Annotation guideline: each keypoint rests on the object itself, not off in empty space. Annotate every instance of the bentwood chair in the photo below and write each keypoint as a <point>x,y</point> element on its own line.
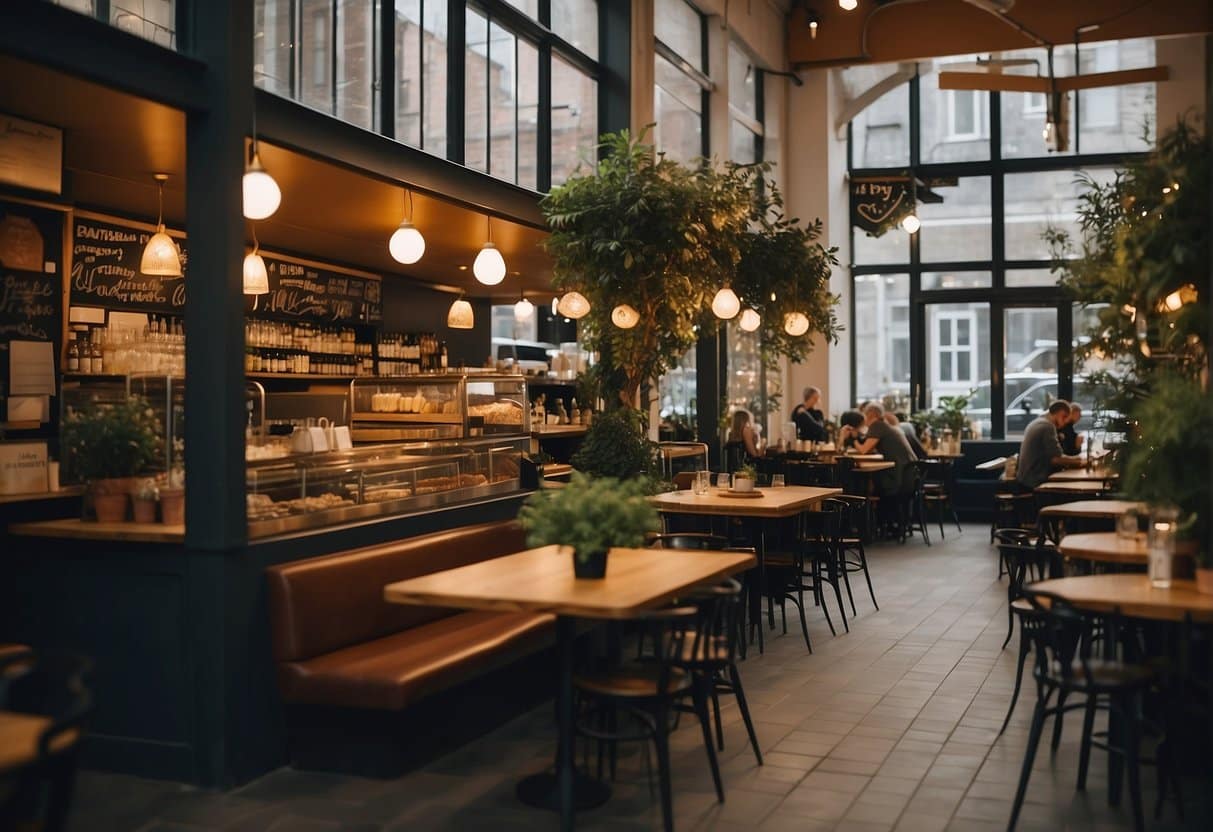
<point>937,492</point>
<point>1025,562</point>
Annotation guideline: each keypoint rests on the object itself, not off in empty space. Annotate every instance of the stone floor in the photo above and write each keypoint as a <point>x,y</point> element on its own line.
<point>892,726</point>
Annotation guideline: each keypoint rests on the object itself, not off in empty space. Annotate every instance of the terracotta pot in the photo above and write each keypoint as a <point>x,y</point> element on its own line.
<point>592,565</point>
<point>114,485</point>
<point>110,508</point>
<point>145,510</point>
<point>1204,580</point>
<point>172,506</point>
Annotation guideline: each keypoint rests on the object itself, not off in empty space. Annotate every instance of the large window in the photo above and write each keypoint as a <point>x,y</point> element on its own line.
<point>745,107</point>
<point>969,305</point>
<point>154,20</point>
<point>682,85</point>
<point>421,56</point>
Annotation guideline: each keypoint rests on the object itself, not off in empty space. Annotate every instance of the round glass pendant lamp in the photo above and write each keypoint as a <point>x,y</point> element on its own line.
<point>848,5</point>
<point>406,244</point>
<point>573,305</point>
<point>262,196</point>
<point>795,324</point>
<point>750,320</point>
<point>726,304</point>
<point>910,224</point>
<point>161,257</point>
<point>625,316</point>
<point>460,315</point>
<point>256,279</point>
<point>489,267</point>
<point>523,309</point>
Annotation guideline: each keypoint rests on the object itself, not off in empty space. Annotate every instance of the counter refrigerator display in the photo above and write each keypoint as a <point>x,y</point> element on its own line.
<point>439,407</point>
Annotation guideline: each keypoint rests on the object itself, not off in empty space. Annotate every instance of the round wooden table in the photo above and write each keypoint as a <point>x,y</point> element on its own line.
<point>1105,547</point>
<point>1133,596</point>
<point>1084,475</point>
<point>1081,488</point>
<point>1092,508</point>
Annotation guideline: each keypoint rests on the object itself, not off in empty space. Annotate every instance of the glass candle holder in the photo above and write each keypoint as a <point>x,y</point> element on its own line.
<point>1161,542</point>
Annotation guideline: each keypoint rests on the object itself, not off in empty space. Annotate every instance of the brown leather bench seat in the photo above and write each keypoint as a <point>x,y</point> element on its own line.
<point>337,642</point>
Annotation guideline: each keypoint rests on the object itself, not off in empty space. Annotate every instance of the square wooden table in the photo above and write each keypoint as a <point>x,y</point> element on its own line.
<point>1084,475</point>
<point>542,581</point>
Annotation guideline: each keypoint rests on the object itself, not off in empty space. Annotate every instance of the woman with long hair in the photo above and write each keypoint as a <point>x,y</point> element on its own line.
<point>741,446</point>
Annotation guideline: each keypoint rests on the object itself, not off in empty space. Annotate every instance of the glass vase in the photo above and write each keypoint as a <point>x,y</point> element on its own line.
<point>1161,542</point>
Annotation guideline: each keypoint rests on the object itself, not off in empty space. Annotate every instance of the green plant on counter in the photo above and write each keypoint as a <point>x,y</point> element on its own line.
<point>951,414</point>
<point>616,445</point>
<point>112,441</point>
<point>590,514</point>
<point>746,472</point>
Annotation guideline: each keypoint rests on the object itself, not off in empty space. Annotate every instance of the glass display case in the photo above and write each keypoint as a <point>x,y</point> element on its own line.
<point>309,491</point>
<point>433,407</point>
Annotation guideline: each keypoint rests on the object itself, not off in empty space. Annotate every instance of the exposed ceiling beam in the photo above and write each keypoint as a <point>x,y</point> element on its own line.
<point>866,98</point>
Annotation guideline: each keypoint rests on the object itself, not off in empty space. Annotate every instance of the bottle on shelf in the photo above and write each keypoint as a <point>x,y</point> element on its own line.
<point>73,353</point>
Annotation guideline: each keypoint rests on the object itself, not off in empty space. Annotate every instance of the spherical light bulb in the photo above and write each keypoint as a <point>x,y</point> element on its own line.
<point>261,193</point>
<point>406,244</point>
<point>1173,302</point>
<point>910,223</point>
<point>256,279</point>
<point>726,304</point>
<point>460,315</point>
<point>555,305</point>
<point>848,5</point>
<point>573,305</point>
<point>624,316</point>
<point>523,310</point>
<point>750,320</point>
<point>489,267</point>
<point>795,324</point>
<point>161,256</point>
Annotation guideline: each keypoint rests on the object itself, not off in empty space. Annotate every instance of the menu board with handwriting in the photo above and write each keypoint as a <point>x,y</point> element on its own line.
<point>315,293</point>
<point>31,280</point>
<point>105,270</point>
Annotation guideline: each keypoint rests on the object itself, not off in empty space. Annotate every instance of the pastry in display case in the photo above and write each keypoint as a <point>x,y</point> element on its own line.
<point>447,406</point>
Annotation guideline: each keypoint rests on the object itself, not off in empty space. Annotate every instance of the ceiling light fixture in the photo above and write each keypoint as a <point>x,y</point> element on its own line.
<point>406,244</point>
<point>160,254</point>
<point>256,279</point>
<point>726,305</point>
<point>523,309</point>
<point>625,316</point>
<point>814,21</point>
<point>489,267</point>
<point>573,305</point>
<point>460,315</point>
<point>795,324</point>
<point>848,5</point>
<point>750,320</point>
<point>262,196</point>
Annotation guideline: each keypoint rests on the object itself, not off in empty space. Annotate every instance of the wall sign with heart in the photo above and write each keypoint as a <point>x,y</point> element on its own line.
<point>878,204</point>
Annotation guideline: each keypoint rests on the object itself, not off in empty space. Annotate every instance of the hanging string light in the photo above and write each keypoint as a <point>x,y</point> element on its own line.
<point>256,279</point>
<point>795,324</point>
<point>910,223</point>
<point>573,305</point>
<point>625,316</point>
<point>489,266</point>
<point>726,304</point>
<point>161,256</point>
<point>406,244</point>
<point>262,196</point>
<point>750,320</point>
<point>523,309</point>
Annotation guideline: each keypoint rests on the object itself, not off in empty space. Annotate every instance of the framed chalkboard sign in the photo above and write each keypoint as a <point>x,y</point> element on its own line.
<point>304,290</point>
<point>105,269</point>
<point>31,280</point>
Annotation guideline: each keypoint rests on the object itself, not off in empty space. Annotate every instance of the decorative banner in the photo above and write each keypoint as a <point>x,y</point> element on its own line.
<point>105,270</point>
<point>879,203</point>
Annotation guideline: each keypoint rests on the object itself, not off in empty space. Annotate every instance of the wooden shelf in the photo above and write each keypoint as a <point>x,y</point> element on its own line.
<point>302,376</point>
<point>76,529</point>
<point>545,431</point>
<point>413,418</point>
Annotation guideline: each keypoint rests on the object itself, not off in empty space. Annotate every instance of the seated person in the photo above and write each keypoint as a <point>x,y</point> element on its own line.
<point>850,425</point>
<point>898,421</point>
<point>741,446</point>
<point>1040,451</point>
<point>890,443</point>
<point>1068,435</point>
<point>810,422</point>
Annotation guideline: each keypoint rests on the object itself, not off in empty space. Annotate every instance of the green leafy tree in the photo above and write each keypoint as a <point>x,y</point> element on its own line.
<point>590,514</point>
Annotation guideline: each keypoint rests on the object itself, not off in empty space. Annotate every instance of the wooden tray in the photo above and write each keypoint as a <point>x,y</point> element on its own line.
<point>740,495</point>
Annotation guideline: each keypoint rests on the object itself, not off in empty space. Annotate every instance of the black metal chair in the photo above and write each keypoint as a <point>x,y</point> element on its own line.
<point>854,558</point>
<point>50,685</point>
<point>1064,666</point>
<point>812,561</point>
<point>937,492</point>
<point>1025,562</point>
<point>911,511</point>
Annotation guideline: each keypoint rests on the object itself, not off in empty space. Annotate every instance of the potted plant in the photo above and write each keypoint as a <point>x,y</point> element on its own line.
<point>144,499</point>
<point>744,478</point>
<point>172,498</point>
<point>590,515</point>
<point>109,445</point>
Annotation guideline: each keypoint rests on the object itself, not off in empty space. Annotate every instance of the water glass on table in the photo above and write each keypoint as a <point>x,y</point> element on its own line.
<point>777,481</point>
<point>703,481</point>
<point>724,481</point>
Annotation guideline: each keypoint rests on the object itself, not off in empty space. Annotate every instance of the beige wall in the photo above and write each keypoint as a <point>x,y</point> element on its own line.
<point>1185,91</point>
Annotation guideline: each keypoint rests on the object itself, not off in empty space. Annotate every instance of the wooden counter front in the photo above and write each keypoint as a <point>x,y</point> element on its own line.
<point>76,529</point>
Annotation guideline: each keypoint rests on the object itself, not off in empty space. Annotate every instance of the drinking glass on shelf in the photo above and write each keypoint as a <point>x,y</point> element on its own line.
<point>724,481</point>
<point>777,481</point>
<point>1126,525</point>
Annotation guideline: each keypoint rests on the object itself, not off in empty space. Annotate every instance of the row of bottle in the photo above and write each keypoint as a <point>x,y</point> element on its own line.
<point>412,346</point>
<point>544,412</point>
<point>266,360</point>
<point>303,336</point>
<point>158,348</point>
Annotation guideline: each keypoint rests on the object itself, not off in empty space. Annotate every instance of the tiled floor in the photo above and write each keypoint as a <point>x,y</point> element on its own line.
<point>893,726</point>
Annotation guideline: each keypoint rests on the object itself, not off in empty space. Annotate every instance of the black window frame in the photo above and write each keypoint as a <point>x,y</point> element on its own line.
<point>699,74</point>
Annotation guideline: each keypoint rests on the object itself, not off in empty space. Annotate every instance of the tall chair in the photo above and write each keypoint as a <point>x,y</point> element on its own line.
<point>854,558</point>
<point>937,492</point>
<point>1025,562</point>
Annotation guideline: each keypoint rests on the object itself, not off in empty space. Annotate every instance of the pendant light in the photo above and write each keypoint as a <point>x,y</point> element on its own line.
<point>726,304</point>
<point>625,316</point>
<point>795,324</point>
<point>848,5</point>
<point>556,305</point>
<point>460,315</point>
<point>489,267</point>
<point>523,309</point>
<point>256,279</point>
<point>573,305</point>
<point>160,254</point>
<point>406,244</point>
<point>262,196</point>
<point>750,320</point>
<point>910,223</point>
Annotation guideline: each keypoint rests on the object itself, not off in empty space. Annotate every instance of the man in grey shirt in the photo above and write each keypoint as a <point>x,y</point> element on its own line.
<point>1040,452</point>
<point>891,443</point>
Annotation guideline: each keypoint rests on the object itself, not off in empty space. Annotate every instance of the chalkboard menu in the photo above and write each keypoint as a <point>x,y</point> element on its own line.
<point>31,280</point>
<point>314,293</point>
<point>105,270</point>
<point>879,203</point>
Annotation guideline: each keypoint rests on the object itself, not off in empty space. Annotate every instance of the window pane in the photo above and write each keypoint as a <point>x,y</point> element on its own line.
<point>1031,277</point>
<point>958,228</point>
<point>1030,380</point>
<point>476,87</point>
<point>83,6</point>
<point>528,116</point>
<point>680,27</point>
<point>577,22</point>
<point>503,102</point>
<point>574,119</point>
<point>1036,202</point>
<point>882,336</point>
<point>272,47</point>
<point>743,80</point>
<point>530,7</point>
<point>956,280</point>
<point>433,79</point>
<point>154,20</point>
<point>677,108</point>
<point>743,145</point>
<point>420,69</point>
<point>958,349</point>
<point>1024,113</point>
<point>744,373</point>
<point>880,135</point>
<point>355,62</point>
<point>315,86</point>
<point>955,123</point>
<point>676,391</point>
<point>1114,119</point>
<point>892,247</point>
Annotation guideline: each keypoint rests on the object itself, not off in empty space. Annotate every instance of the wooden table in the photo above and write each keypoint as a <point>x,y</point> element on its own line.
<point>1102,509</point>
<point>944,455</point>
<point>1133,596</point>
<point>73,528</point>
<point>1105,547</point>
<point>1080,487</point>
<point>873,467</point>
<point>19,736</point>
<point>542,581</point>
<point>1084,475</point>
<point>774,504</point>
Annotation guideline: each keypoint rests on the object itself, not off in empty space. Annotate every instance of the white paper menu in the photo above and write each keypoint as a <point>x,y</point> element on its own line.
<point>31,368</point>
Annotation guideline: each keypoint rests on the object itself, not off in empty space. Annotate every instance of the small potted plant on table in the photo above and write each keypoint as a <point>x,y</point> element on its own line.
<point>110,445</point>
<point>591,516</point>
<point>744,478</point>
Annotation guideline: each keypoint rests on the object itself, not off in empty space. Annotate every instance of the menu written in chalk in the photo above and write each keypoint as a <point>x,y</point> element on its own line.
<point>105,270</point>
<point>315,293</point>
<point>31,300</point>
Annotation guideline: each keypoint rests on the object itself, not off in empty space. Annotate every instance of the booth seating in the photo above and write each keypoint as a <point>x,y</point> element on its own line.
<point>337,643</point>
